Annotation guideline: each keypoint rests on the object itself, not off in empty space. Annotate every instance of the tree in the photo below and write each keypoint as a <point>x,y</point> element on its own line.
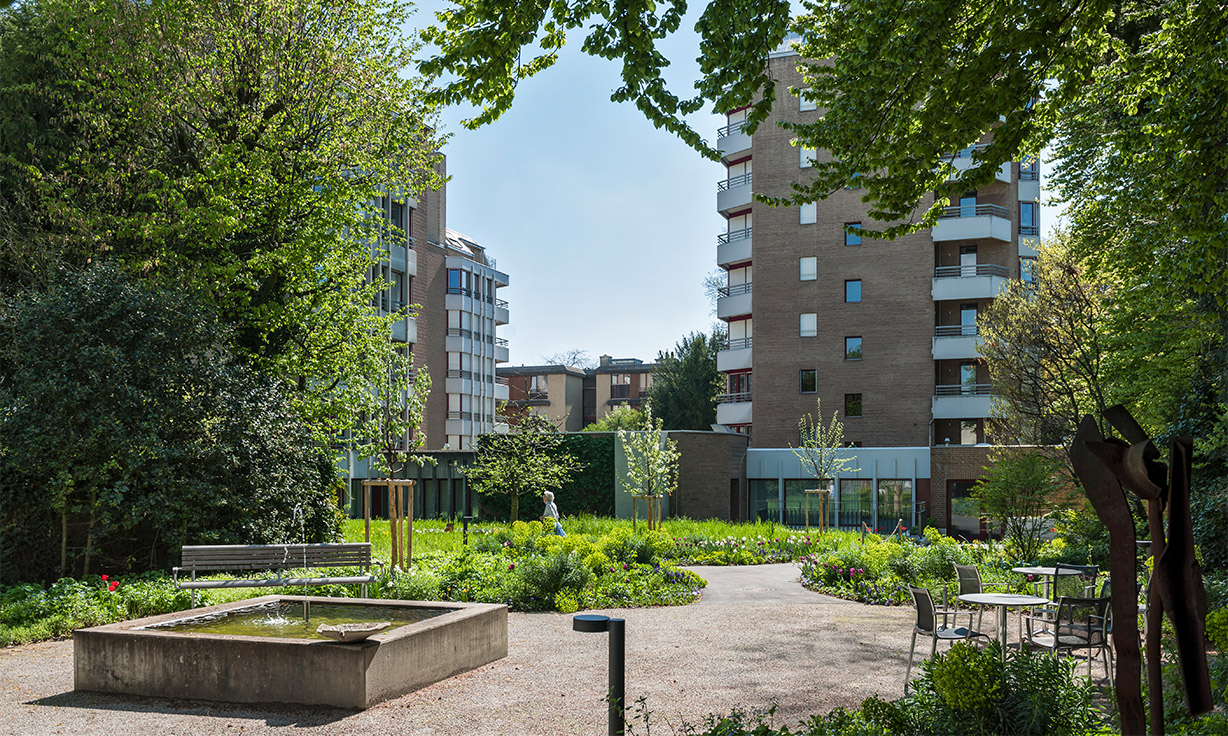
<point>652,459</point>
<point>128,430</point>
<point>390,434</point>
<point>1019,488</point>
<point>821,448</point>
<point>1044,344</point>
<point>623,417</point>
<point>685,383</point>
<point>239,149</point>
<point>574,357</point>
<point>522,463</point>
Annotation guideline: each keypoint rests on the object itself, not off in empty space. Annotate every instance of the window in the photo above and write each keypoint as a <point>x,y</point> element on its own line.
<point>538,387</point>
<point>398,290</point>
<point>852,233</point>
<point>967,260</point>
<point>1028,224</point>
<point>803,104</point>
<point>967,378</point>
<point>967,204</point>
<point>852,290</point>
<point>620,386</point>
<point>852,405</point>
<point>808,381</point>
<point>808,214</point>
<point>852,348</point>
<point>967,319</point>
<point>854,182</point>
<point>1027,268</point>
<point>1028,171</point>
<point>806,157</point>
<point>968,432</point>
<point>809,324</point>
<point>454,281</point>
<point>808,268</point>
<point>398,215</point>
<point>740,385</point>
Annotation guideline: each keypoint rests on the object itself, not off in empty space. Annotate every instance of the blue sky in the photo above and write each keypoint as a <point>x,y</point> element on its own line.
<point>606,225</point>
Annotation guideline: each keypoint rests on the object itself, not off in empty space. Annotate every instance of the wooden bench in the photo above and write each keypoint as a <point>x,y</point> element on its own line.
<point>276,558</point>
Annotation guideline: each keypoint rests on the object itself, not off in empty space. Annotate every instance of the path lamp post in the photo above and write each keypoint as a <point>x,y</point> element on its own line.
<point>618,682</point>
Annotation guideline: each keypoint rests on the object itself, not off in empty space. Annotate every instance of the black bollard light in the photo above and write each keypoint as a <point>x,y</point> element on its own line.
<point>465,529</point>
<point>618,654</point>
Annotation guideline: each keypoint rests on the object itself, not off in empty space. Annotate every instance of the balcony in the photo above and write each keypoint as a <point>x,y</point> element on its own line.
<point>973,222</point>
<point>501,313</point>
<point>962,161</point>
<point>962,401</point>
<point>501,353</point>
<point>501,389</point>
<point>953,342</point>
<point>733,301</point>
<point>734,408</point>
<point>980,281</point>
<point>733,247</point>
<point>405,330</point>
<point>736,356</point>
<point>733,193</point>
<point>732,140</point>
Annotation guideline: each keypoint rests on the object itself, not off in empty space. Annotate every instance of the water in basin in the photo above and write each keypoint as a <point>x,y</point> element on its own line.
<point>284,619</point>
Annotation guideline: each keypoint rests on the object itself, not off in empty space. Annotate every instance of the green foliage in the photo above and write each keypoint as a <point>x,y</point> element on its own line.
<point>220,146</point>
<point>522,463</point>
<point>590,490</point>
<point>821,448</point>
<point>685,383</point>
<point>968,690</point>
<point>127,431</point>
<point>623,417</point>
<point>1020,488</point>
<point>652,460</point>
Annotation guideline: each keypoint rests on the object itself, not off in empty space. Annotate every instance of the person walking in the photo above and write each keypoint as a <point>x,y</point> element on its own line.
<point>551,514</point>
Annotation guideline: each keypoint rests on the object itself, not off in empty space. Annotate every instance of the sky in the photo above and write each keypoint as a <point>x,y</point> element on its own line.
<point>605,225</point>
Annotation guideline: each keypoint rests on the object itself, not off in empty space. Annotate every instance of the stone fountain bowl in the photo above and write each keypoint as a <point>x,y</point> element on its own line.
<point>347,633</point>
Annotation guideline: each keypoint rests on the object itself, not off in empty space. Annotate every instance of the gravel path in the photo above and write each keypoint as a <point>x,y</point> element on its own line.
<point>755,638</point>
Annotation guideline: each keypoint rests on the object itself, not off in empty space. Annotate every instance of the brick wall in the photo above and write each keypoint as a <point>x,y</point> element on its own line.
<point>709,461</point>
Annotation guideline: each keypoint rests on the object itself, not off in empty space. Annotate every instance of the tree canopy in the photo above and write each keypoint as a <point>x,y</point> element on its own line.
<point>237,148</point>
<point>685,383</point>
<point>522,463</point>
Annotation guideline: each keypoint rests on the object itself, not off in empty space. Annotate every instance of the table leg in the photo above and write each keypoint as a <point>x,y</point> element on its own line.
<point>1002,630</point>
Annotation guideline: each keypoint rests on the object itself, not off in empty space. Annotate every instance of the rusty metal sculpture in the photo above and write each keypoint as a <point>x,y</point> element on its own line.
<point>1104,466</point>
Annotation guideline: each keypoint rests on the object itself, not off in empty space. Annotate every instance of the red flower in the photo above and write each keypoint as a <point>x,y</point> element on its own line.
<point>114,584</point>
<point>104,578</point>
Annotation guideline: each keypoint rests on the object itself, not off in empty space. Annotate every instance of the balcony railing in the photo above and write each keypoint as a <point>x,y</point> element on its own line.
<point>730,129</point>
<point>955,331</point>
<point>969,210</point>
<point>734,290</point>
<point>460,290</point>
<point>501,342</point>
<point>967,152</point>
<point>733,236</point>
<point>964,389</point>
<point>502,381</point>
<point>1029,230</point>
<point>620,391</point>
<point>733,181</point>
<point>460,374</point>
<point>460,415</point>
<point>501,303</point>
<point>1029,175</point>
<point>979,269</point>
<point>738,398</point>
<point>738,343</point>
<point>537,393</point>
<point>458,332</point>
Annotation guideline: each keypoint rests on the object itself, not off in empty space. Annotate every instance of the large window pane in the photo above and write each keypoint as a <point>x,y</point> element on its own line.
<point>965,510</point>
<point>855,503</point>
<point>895,503</point>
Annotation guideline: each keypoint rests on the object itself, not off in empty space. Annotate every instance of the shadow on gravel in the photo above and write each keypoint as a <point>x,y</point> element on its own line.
<point>272,715</point>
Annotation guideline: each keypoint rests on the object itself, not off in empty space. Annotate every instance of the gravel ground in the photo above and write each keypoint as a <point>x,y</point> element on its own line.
<point>755,638</point>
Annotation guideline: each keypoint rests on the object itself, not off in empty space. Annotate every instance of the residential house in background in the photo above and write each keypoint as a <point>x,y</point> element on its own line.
<point>573,398</point>
<point>882,331</point>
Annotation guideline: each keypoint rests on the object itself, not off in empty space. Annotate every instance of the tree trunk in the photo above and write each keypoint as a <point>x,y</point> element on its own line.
<point>63,544</point>
<point>89,540</point>
<point>515,507</point>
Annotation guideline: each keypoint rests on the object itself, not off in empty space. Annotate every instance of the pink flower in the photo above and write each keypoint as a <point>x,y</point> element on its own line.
<point>512,566</point>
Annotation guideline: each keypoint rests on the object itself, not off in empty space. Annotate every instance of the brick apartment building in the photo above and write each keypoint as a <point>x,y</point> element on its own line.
<point>882,331</point>
<point>453,334</point>
<point>571,397</point>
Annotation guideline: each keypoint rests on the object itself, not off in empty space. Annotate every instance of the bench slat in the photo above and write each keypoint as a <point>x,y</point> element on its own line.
<point>264,557</point>
<point>273,582</point>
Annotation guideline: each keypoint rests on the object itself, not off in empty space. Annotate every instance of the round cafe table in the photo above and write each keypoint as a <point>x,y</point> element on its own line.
<point>1003,601</point>
<point>1048,573</point>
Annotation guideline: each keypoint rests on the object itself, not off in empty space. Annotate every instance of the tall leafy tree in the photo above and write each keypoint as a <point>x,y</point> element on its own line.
<point>522,463</point>
<point>128,429</point>
<point>685,383</point>
<point>235,147</point>
<point>1018,489</point>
